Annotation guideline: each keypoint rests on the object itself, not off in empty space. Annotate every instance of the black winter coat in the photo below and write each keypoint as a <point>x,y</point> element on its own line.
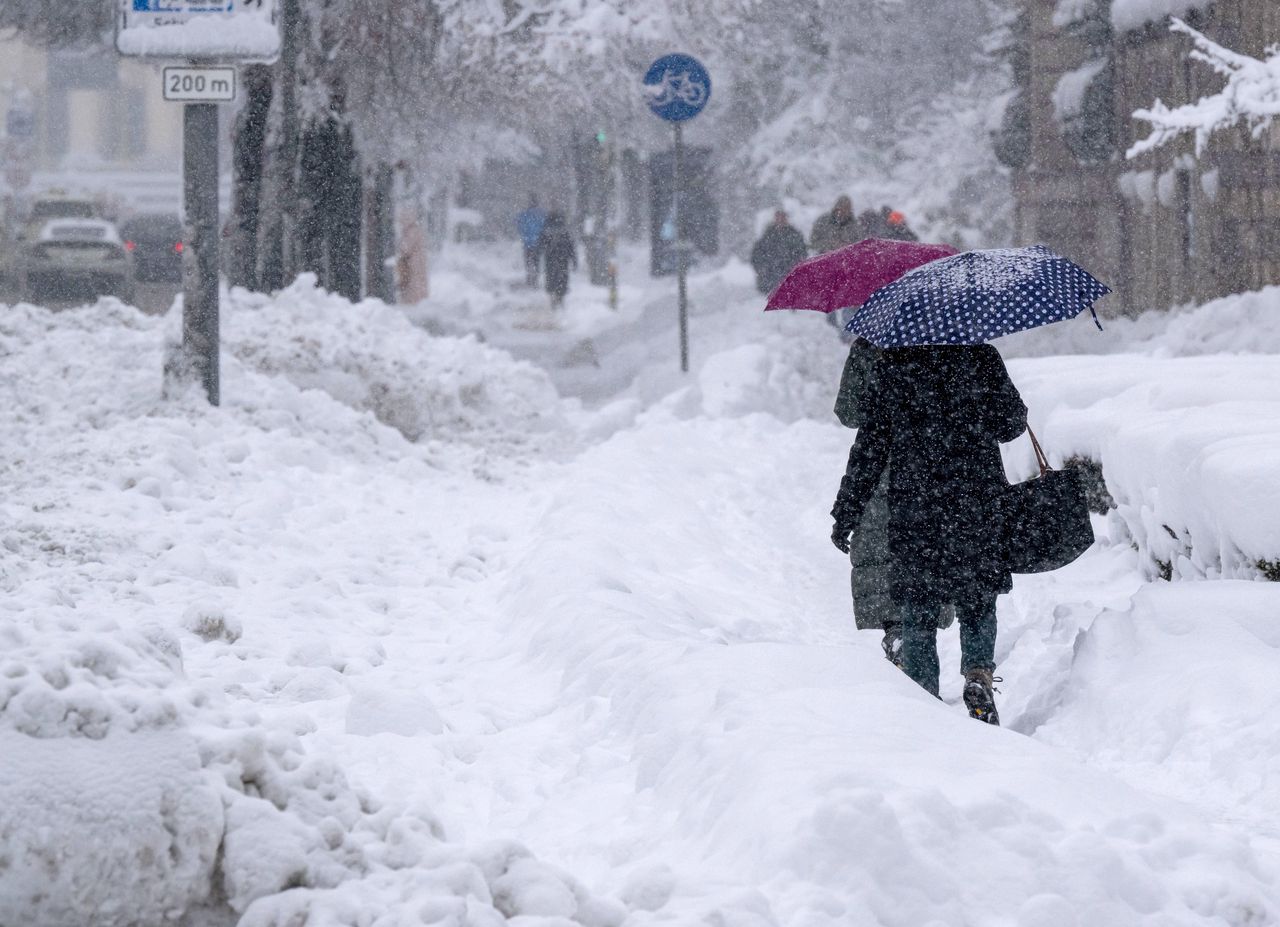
<point>779,249</point>
<point>557,251</point>
<point>936,417</point>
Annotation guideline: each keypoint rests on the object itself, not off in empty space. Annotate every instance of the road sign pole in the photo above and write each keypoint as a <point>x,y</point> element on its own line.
<point>678,88</point>
<point>200,256</point>
<point>682,263</point>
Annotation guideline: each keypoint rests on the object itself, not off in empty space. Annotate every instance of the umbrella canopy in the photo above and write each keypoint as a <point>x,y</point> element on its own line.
<point>847,276</point>
<point>977,296</point>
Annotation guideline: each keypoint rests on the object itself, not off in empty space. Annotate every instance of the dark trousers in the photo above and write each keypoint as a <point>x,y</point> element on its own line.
<point>531,265</point>
<point>977,616</point>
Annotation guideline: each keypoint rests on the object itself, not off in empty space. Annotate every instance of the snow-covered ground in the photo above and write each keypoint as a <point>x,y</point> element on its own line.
<point>448,616</point>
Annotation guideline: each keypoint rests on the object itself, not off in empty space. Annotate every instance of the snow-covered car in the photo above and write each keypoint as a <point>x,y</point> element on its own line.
<point>72,259</point>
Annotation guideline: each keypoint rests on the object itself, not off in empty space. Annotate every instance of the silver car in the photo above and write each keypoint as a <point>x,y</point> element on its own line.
<point>76,259</point>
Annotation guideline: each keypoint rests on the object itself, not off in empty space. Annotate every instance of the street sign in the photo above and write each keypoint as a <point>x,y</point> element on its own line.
<point>677,87</point>
<point>200,85</point>
<point>214,30</point>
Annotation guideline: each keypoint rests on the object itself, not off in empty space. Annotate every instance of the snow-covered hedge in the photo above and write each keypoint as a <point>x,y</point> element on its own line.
<point>1190,449</point>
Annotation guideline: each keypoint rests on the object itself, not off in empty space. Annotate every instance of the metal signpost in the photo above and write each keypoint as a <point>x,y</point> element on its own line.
<point>207,35</point>
<point>678,88</point>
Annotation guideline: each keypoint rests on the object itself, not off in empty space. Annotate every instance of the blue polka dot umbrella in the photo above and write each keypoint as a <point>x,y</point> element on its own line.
<point>977,296</point>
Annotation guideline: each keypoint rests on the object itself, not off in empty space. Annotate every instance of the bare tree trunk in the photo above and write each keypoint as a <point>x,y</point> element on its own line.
<point>247,166</point>
<point>379,234</point>
<point>280,261</point>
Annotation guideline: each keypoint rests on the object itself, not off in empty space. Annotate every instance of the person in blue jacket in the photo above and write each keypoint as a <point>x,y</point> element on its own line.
<point>530,223</point>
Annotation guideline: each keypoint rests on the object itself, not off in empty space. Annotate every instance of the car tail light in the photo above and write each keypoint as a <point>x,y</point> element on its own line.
<point>177,246</point>
<point>129,246</point>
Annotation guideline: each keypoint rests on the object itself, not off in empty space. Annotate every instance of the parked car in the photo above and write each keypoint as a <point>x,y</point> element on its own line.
<point>22,225</point>
<point>75,259</point>
<point>56,205</point>
<point>155,241</point>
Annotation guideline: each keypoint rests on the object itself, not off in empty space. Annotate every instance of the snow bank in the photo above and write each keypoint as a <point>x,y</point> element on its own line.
<point>142,535</point>
<point>1166,657</point>
<point>129,797</point>
<point>1243,323</point>
<point>369,356</point>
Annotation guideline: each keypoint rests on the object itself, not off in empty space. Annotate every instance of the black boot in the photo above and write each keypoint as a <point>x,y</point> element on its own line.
<point>892,644</point>
<point>979,695</point>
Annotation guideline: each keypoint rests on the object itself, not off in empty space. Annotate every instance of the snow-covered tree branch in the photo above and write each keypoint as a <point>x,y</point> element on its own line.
<point>1252,94</point>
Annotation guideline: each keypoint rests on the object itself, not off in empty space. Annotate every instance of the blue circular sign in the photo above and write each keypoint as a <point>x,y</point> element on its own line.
<point>677,87</point>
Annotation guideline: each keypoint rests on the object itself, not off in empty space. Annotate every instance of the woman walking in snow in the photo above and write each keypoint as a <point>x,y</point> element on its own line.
<point>935,416</point>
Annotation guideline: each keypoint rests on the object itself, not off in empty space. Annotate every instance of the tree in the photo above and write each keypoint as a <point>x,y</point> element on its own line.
<point>86,22</point>
<point>1251,95</point>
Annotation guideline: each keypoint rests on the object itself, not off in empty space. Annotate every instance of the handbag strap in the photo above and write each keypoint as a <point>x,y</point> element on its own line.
<point>1041,459</point>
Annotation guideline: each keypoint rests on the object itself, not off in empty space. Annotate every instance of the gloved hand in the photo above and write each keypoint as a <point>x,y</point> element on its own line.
<point>840,532</point>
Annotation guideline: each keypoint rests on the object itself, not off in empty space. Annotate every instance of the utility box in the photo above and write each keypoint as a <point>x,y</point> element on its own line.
<point>699,208</point>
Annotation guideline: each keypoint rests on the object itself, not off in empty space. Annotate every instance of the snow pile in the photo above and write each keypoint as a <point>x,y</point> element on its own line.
<point>1243,323</point>
<point>370,357</point>
<point>1165,657</point>
<point>786,374</point>
<point>174,803</point>
<point>128,798</point>
<point>95,749</point>
<point>143,536</point>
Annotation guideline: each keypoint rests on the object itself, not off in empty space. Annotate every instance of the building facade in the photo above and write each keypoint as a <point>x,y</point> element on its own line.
<point>84,114</point>
<point>1167,227</point>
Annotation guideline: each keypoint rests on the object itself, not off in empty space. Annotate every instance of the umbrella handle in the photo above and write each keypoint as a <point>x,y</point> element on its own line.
<point>1041,459</point>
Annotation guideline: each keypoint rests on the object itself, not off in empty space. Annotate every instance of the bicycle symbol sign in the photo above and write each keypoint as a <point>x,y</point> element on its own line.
<point>677,87</point>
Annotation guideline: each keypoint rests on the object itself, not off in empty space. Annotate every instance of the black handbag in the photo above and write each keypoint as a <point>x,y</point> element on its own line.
<point>1045,520</point>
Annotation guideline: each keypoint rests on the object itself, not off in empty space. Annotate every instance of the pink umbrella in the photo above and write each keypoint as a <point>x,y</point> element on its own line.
<point>848,276</point>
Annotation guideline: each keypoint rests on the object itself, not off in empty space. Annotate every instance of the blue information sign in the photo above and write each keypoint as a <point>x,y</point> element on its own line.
<point>677,87</point>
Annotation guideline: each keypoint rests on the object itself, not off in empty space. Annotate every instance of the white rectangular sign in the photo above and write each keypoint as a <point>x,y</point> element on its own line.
<point>209,30</point>
<point>200,85</point>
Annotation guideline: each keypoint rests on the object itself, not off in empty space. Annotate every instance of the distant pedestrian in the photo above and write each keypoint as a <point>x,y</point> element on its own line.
<point>935,417</point>
<point>836,229</point>
<point>530,224</point>
<point>887,223</point>
<point>779,249</point>
<point>556,249</point>
<point>895,226</point>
